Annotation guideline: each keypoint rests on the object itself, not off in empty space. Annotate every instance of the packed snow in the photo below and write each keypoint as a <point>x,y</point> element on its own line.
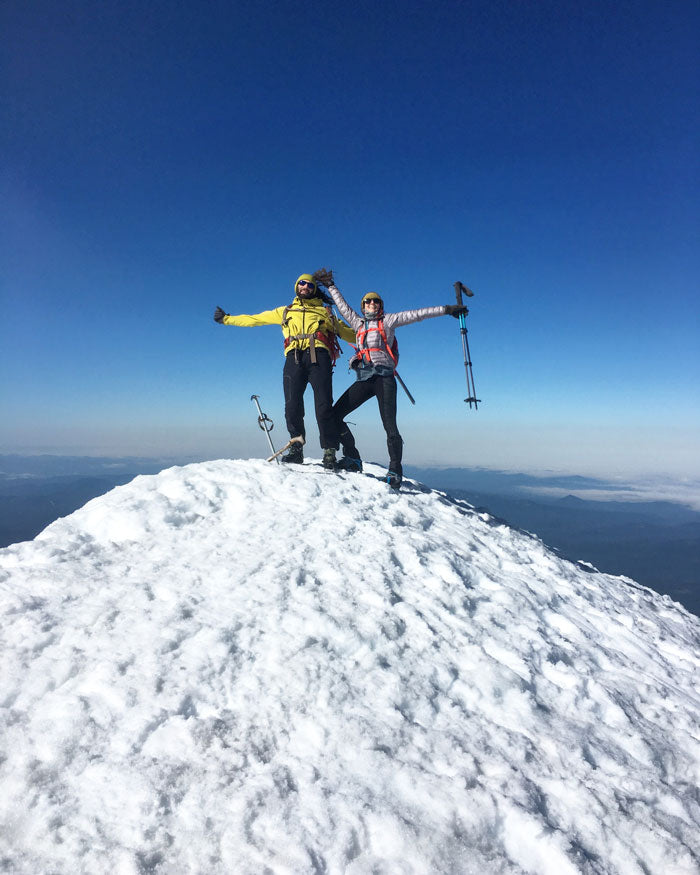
<point>239,667</point>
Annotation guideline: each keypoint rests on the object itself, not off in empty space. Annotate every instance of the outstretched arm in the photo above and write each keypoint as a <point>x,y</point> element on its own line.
<point>267,317</point>
<point>406,317</point>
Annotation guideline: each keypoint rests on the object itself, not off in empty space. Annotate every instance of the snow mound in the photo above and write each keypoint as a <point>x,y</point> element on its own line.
<point>235,667</point>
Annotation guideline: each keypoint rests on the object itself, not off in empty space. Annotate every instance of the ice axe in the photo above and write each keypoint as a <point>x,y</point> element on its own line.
<point>461,289</point>
<point>265,423</point>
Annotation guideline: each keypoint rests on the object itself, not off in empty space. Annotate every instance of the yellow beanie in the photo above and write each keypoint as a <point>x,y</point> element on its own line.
<point>308,278</point>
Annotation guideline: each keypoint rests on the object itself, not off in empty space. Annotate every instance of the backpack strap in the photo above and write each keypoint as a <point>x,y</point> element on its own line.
<point>386,343</point>
<point>364,351</point>
<point>331,339</point>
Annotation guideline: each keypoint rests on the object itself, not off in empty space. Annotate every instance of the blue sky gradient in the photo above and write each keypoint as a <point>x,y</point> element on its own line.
<point>161,159</point>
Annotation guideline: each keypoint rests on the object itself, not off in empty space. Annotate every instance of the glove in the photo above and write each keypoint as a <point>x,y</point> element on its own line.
<point>454,310</point>
<point>219,315</point>
<point>324,277</point>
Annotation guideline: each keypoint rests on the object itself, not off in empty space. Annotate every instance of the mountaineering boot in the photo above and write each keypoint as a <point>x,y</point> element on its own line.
<point>394,476</point>
<point>348,464</point>
<point>393,479</point>
<point>295,454</point>
<point>329,459</point>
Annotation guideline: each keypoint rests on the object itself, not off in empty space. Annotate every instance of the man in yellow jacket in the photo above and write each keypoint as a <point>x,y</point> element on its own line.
<point>310,333</point>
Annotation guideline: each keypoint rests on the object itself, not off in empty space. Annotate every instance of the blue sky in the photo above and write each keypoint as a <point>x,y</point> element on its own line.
<point>160,159</point>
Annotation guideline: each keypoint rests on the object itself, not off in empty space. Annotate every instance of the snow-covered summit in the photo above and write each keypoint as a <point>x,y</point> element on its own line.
<point>235,667</point>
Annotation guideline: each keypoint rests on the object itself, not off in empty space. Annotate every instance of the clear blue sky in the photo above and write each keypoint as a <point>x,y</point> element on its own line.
<point>161,158</point>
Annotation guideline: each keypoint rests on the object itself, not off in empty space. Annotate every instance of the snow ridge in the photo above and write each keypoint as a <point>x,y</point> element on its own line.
<point>237,667</point>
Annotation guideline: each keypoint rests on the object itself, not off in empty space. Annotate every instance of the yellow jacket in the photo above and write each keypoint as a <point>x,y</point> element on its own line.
<point>304,324</point>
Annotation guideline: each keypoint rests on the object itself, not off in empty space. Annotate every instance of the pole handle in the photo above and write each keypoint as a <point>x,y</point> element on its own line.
<point>461,289</point>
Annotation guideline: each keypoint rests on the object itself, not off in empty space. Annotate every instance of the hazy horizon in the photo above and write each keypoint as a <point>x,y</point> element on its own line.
<point>592,487</point>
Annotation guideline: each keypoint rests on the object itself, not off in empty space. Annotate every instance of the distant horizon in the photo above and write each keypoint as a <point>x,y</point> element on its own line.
<point>634,450</point>
<point>594,487</point>
<point>533,470</point>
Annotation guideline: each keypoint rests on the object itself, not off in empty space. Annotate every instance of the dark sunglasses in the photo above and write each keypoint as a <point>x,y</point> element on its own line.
<point>306,283</point>
<point>371,301</point>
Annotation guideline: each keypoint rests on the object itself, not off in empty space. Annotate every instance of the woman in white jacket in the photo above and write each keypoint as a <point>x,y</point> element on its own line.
<point>374,364</point>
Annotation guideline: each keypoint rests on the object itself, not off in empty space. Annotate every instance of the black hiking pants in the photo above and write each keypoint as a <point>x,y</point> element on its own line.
<point>384,389</point>
<point>298,372</point>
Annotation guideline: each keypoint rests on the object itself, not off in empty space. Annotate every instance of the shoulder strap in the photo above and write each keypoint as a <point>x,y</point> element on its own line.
<point>329,338</point>
<point>380,327</point>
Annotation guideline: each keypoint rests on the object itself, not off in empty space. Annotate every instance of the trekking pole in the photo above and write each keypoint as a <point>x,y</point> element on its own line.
<point>263,421</point>
<point>471,398</point>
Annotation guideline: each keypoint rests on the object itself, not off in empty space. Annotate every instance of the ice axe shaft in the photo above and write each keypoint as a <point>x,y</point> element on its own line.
<point>294,440</point>
<point>263,421</point>
<point>461,289</point>
<point>405,388</point>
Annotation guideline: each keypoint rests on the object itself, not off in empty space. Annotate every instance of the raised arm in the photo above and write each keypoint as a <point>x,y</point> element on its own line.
<point>354,319</point>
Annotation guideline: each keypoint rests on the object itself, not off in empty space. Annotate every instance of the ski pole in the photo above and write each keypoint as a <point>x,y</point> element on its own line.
<point>263,421</point>
<point>471,398</point>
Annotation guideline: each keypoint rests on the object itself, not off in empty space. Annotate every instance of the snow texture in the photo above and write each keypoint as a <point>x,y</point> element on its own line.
<point>239,667</point>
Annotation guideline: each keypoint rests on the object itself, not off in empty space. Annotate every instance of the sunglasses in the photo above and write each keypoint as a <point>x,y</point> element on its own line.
<point>306,283</point>
<point>371,301</point>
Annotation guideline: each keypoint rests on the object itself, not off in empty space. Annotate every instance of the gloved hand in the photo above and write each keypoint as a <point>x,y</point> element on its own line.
<point>324,277</point>
<point>219,315</point>
<point>454,310</point>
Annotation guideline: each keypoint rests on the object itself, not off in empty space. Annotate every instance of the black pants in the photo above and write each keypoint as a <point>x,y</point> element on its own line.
<point>384,389</point>
<point>299,371</point>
